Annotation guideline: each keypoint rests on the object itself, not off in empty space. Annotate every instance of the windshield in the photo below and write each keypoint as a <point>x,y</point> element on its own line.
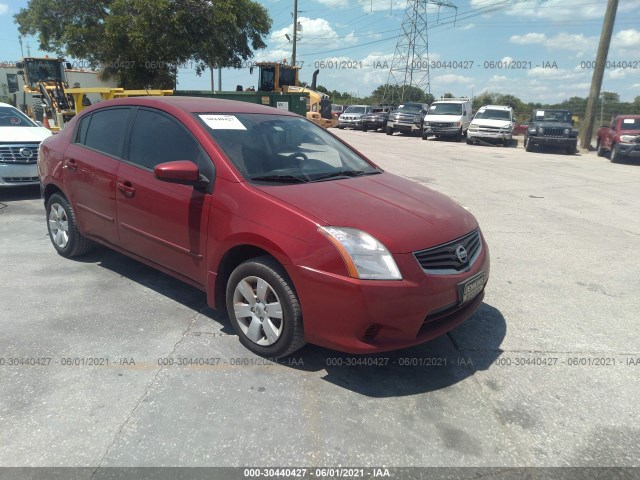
<point>445,109</point>
<point>553,116</point>
<point>356,110</point>
<point>630,124</point>
<point>490,114</point>
<point>12,117</point>
<point>411,108</point>
<point>43,70</point>
<point>280,148</point>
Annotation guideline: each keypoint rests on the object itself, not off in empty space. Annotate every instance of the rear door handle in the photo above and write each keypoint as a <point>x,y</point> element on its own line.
<point>126,188</point>
<point>71,164</point>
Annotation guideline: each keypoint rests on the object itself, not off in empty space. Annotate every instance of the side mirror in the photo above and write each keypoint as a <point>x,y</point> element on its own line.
<point>68,66</point>
<point>572,122</point>
<point>19,66</point>
<point>184,172</point>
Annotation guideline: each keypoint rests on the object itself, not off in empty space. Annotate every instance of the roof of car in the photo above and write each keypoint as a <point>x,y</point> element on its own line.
<point>194,104</point>
<point>496,107</point>
<point>2,104</point>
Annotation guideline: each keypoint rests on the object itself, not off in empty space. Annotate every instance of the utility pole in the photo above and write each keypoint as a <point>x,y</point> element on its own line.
<point>295,31</point>
<point>598,72</point>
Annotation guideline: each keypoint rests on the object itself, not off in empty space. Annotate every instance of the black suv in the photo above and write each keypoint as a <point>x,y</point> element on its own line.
<point>377,118</point>
<point>551,128</point>
<point>407,118</point>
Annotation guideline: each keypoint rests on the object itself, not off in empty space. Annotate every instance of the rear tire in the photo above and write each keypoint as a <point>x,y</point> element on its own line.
<point>63,230</point>
<point>264,309</point>
<point>38,109</point>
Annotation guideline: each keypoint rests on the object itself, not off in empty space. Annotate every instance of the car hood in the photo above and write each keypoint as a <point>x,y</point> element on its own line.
<point>404,215</point>
<point>23,134</point>
<point>491,123</point>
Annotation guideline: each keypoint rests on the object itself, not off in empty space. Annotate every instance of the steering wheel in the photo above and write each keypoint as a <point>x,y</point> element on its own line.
<point>295,155</point>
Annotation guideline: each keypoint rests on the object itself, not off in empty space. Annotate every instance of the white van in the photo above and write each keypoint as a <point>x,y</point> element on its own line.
<point>492,123</point>
<point>447,117</point>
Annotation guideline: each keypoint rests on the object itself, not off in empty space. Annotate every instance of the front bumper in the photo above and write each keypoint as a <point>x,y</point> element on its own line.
<point>488,135</point>
<point>403,126</point>
<point>356,123</point>
<point>358,316</point>
<point>552,141</point>
<point>374,124</point>
<point>441,131</point>
<point>12,174</point>
<point>630,150</point>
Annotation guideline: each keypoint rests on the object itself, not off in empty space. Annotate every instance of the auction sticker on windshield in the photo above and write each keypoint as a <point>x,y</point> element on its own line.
<point>472,287</point>
<point>223,122</point>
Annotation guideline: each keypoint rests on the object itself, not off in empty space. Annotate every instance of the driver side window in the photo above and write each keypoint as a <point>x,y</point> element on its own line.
<point>157,138</point>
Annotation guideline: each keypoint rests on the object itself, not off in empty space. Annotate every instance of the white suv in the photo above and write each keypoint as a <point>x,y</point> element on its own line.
<point>20,139</point>
<point>492,123</point>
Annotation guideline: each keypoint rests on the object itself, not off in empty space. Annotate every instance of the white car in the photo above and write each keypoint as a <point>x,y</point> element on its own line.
<point>20,139</point>
<point>492,123</point>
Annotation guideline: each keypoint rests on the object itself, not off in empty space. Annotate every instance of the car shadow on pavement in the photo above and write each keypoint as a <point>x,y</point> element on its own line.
<point>440,363</point>
<point>13,194</point>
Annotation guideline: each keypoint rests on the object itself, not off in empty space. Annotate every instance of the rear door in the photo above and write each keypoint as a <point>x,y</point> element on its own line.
<point>89,171</point>
<point>163,222</point>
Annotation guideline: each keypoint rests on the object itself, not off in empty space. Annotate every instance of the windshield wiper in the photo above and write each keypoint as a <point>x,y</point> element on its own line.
<point>344,173</point>
<point>280,178</point>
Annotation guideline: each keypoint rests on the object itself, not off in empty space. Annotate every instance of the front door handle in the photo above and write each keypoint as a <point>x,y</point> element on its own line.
<point>126,188</point>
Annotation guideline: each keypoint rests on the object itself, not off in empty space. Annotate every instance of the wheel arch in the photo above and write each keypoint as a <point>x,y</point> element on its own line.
<point>233,257</point>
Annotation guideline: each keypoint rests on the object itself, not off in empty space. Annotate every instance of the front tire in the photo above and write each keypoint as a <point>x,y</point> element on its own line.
<point>389,131</point>
<point>615,154</point>
<point>527,144</point>
<point>599,149</point>
<point>63,229</point>
<point>264,309</point>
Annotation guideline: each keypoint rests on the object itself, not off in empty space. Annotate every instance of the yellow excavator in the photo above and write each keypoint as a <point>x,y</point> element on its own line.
<point>280,77</point>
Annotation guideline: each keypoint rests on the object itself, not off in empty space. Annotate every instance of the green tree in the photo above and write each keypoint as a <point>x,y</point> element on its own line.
<point>398,93</point>
<point>142,43</point>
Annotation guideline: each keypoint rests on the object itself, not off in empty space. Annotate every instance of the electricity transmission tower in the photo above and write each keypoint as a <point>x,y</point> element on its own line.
<point>410,65</point>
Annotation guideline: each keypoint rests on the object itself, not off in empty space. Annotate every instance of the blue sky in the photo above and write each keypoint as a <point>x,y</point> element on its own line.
<point>552,42</point>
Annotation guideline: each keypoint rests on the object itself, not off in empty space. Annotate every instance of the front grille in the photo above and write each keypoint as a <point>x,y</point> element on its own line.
<point>449,258</point>
<point>24,153</point>
<point>441,125</point>
<point>553,132</point>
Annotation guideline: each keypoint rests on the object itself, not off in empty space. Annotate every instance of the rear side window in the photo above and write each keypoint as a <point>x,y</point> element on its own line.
<point>157,138</point>
<point>106,130</point>
<point>81,136</point>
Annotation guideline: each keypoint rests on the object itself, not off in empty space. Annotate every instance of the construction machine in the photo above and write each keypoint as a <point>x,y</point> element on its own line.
<point>45,81</point>
<point>280,77</point>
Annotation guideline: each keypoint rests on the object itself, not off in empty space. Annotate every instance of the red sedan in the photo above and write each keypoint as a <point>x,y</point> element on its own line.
<point>298,235</point>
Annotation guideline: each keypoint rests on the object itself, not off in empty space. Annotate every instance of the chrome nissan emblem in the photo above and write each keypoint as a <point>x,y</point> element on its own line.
<point>461,253</point>
<point>26,152</point>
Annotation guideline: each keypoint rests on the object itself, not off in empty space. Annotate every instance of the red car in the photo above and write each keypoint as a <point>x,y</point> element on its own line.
<point>300,236</point>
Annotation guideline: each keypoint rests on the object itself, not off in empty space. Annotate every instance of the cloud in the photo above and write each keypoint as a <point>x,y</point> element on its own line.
<point>316,32</point>
<point>467,26</point>
<point>4,8</point>
<point>528,39</point>
<point>616,74</point>
<point>330,3</point>
<point>627,39</point>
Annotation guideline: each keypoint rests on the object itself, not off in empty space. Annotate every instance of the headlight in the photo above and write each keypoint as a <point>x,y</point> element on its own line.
<point>567,132</point>
<point>366,258</point>
<point>427,124</point>
<point>627,138</point>
<point>540,130</point>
